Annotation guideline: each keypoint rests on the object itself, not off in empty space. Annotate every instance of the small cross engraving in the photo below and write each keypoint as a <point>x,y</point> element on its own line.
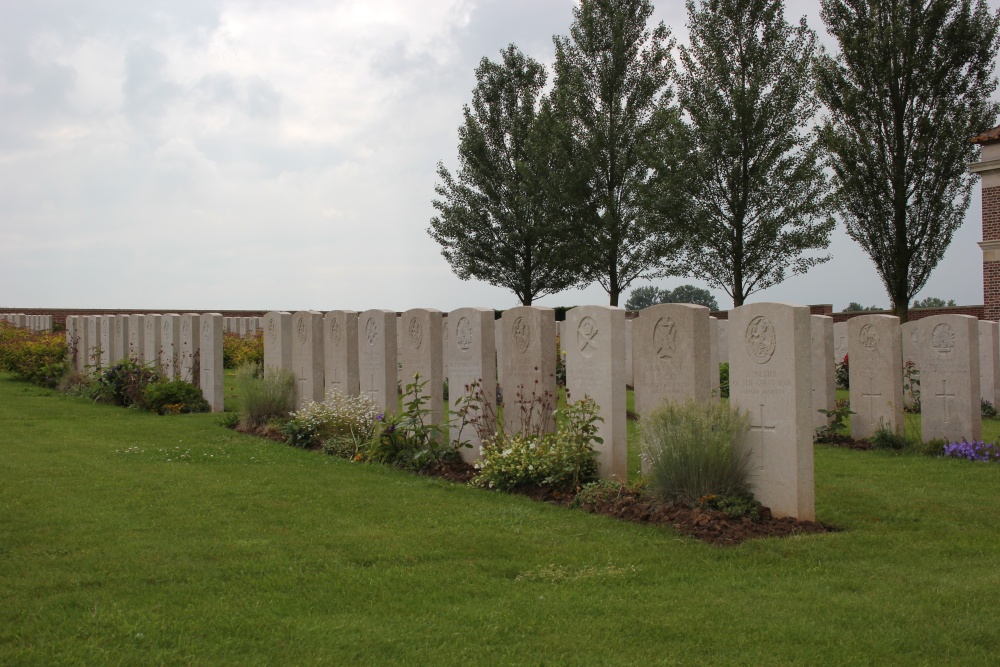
<point>871,395</point>
<point>761,427</point>
<point>944,396</point>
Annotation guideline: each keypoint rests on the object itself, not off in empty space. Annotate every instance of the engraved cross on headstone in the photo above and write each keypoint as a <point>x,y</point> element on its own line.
<point>944,396</point>
<point>302,381</point>
<point>871,395</point>
<point>761,427</point>
<point>372,391</point>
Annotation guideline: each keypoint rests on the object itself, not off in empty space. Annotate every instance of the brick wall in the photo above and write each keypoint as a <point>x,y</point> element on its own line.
<point>991,214</point>
<point>991,270</point>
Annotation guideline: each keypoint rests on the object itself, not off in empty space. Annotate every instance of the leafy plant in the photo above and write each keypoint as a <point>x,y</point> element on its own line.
<point>238,350</point>
<point>732,506</point>
<point>124,383</point>
<point>342,424</point>
<point>36,356</point>
<point>837,421</point>
<point>174,397</point>
<point>562,460</point>
<point>407,440</point>
<point>724,379</point>
<point>885,438</point>
<point>842,373</point>
<point>265,394</point>
<point>987,410</point>
<point>911,388</point>
<point>688,451</point>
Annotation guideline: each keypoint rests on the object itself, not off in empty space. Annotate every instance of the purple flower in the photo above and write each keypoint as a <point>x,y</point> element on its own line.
<point>972,451</point>
<point>380,417</point>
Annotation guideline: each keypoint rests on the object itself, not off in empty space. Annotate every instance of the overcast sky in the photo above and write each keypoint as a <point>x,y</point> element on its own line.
<point>194,154</point>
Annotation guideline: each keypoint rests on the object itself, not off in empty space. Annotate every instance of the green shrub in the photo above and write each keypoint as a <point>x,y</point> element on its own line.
<point>265,394</point>
<point>562,460</point>
<point>837,424</point>
<point>724,379</point>
<point>36,356</point>
<point>987,410</point>
<point>124,383</point>
<point>886,438</point>
<point>842,373</point>
<point>933,447</point>
<point>341,424</point>
<point>407,440</point>
<point>732,506</point>
<point>174,397</point>
<point>688,451</point>
<point>238,350</point>
<point>229,420</point>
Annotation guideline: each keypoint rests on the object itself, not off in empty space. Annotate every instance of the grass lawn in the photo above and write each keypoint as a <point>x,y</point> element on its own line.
<point>127,538</point>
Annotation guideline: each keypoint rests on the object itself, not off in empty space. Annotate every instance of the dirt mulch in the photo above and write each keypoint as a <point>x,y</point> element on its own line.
<point>459,472</point>
<point>848,443</point>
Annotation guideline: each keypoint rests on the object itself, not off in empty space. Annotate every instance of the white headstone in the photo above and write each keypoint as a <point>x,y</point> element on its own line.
<point>949,378</point>
<point>93,344</point>
<point>307,357</point>
<point>770,378</point>
<point>529,366</point>
<point>190,347</point>
<point>377,353</point>
<point>629,373</point>
<point>107,340</point>
<point>824,381</point>
<point>73,342</point>
<point>876,369</point>
<point>989,361</point>
<point>119,349</point>
<point>422,354</point>
<point>672,355</point>
<point>278,340</point>
<point>713,356</point>
<point>137,337</point>
<point>211,372</point>
<point>594,343</point>
<point>340,349</point>
<point>839,341</point>
<point>723,341</point>
<point>151,340</point>
<point>170,345</point>
<point>472,358</point>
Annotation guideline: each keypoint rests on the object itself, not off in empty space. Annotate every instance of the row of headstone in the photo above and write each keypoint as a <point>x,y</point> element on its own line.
<point>184,347</point>
<point>30,322</point>
<point>242,326</point>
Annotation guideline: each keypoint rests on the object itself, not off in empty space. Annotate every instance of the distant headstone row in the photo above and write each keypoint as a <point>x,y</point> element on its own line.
<point>242,326</point>
<point>184,347</point>
<point>30,322</point>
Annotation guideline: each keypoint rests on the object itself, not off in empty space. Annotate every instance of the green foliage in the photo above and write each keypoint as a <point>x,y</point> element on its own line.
<point>732,506</point>
<point>562,460</point>
<point>503,218</point>
<point>36,356</point>
<point>643,297</point>
<point>229,419</point>
<point>987,410</point>
<point>842,373</point>
<point>407,440</point>
<point>911,388</point>
<point>265,394</point>
<point>341,424</point>
<point>124,383</point>
<point>760,195</point>
<point>724,379</point>
<point>600,493</point>
<point>913,81</point>
<point>689,451</point>
<point>855,307</point>
<point>934,302</point>
<point>612,95</point>
<point>837,421</point>
<point>238,350</point>
<point>174,397</point>
<point>933,447</point>
<point>885,438</point>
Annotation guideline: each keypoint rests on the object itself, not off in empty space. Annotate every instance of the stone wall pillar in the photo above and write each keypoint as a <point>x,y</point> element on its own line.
<point>988,169</point>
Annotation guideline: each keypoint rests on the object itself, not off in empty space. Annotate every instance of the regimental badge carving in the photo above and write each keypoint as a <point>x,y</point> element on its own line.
<point>272,330</point>
<point>206,330</point>
<point>166,326</point>
<point>371,330</point>
<point>868,337</point>
<point>335,332</point>
<point>186,326</point>
<point>521,335</point>
<point>943,339</point>
<point>416,333</point>
<point>118,326</point>
<point>665,338</point>
<point>300,326</point>
<point>149,326</point>
<point>463,334</point>
<point>760,340</point>
<point>586,332</point>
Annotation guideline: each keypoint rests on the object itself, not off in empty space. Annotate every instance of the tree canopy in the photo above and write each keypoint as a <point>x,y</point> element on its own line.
<point>649,295</point>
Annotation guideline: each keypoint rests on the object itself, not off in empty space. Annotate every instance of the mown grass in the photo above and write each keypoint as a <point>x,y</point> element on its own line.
<point>134,539</point>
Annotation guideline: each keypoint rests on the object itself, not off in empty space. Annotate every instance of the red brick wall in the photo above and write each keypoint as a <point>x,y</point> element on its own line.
<point>991,214</point>
<point>991,270</point>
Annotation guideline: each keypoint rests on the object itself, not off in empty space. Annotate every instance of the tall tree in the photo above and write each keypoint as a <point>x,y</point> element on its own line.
<point>760,196</point>
<point>502,220</point>
<point>910,86</point>
<point>612,91</point>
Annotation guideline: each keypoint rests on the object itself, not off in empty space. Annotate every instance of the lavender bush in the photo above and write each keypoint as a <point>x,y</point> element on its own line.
<point>973,451</point>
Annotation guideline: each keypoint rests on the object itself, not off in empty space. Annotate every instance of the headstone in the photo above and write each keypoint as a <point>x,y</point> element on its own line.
<point>471,358</point>
<point>190,348</point>
<point>226,324</point>
<point>723,341</point>
<point>444,345</point>
<point>278,340</point>
<point>629,374</point>
<point>671,347</point>
<point>244,324</point>
<point>770,378</point>
<point>107,340</point>
<point>73,348</point>
<point>498,338</point>
<point>949,379</point>
<point>340,343</point>
<point>120,345</point>
<point>377,353</point>
<point>254,326</point>
<point>151,340</point>
<point>170,345</point>
<point>307,357</point>
<point>876,366</point>
<point>422,354</point>
<point>839,341</point>
<point>137,338</point>
<point>989,361</point>
<point>211,374</point>
<point>529,367</point>
<point>594,343</point>
<point>824,381</point>
<point>713,356</point>
<point>93,346</point>
<point>22,320</point>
